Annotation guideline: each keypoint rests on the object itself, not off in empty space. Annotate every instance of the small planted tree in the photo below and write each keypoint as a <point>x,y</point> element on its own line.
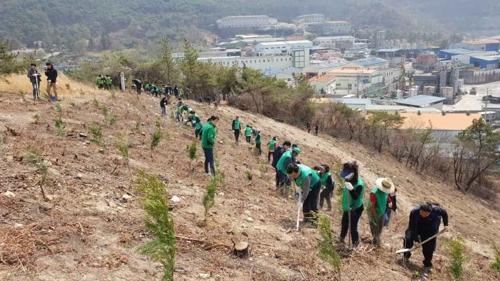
<point>457,253</point>
<point>209,197</point>
<point>327,251</point>
<point>58,122</point>
<point>495,265</point>
<point>96,135</point>
<point>42,169</point>
<point>248,175</point>
<point>159,223</point>
<point>155,139</point>
<point>122,145</point>
<point>192,150</point>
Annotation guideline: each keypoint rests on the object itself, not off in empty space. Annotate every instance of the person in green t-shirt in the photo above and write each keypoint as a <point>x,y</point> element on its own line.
<point>271,145</point>
<point>236,129</point>
<point>309,183</point>
<point>248,133</point>
<point>208,138</point>
<point>352,201</point>
<point>379,195</point>
<point>327,186</point>
<point>258,143</point>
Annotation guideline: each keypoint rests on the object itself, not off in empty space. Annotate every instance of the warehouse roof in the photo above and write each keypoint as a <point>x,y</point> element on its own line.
<point>438,121</point>
<point>420,101</point>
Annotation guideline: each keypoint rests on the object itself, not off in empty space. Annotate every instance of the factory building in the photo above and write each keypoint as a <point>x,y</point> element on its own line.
<point>335,42</point>
<point>311,18</point>
<point>282,47</point>
<point>330,28</point>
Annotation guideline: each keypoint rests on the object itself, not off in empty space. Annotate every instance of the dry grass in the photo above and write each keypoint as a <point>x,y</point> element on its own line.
<point>19,83</point>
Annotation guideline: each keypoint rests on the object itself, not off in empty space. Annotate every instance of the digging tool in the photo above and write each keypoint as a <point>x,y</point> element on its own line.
<point>299,207</point>
<point>402,251</point>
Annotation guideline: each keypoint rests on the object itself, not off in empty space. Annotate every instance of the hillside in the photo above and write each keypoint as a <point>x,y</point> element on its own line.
<point>93,224</point>
<point>95,24</point>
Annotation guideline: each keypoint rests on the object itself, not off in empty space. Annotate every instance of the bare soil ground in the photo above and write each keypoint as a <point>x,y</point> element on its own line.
<point>93,224</point>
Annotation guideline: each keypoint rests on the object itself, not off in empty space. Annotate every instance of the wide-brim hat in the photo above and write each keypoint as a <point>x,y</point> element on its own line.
<point>385,185</point>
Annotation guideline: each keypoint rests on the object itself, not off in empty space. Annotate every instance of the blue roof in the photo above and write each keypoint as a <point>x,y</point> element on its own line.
<point>420,100</point>
<point>456,51</point>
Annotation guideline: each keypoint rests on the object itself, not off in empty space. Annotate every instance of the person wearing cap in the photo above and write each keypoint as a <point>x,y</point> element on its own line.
<point>309,183</point>
<point>286,159</point>
<point>208,136</point>
<point>196,123</point>
<point>271,145</point>
<point>352,201</point>
<point>248,133</point>
<point>424,223</point>
<point>236,129</point>
<point>379,196</point>
<point>35,79</point>
<point>327,186</point>
<point>258,142</point>
<point>51,74</point>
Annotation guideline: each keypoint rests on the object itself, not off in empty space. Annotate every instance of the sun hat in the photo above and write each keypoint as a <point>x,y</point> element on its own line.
<point>385,185</point>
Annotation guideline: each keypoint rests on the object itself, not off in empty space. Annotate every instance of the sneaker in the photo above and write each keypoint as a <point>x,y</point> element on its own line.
<point>427,270</point>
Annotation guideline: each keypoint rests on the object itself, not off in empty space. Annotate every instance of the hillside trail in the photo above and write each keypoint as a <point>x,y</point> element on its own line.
<point>93,226</point>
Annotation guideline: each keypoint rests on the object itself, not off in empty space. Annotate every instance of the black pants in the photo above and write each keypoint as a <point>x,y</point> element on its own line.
<point>355,216</point>
<point>326,195</point>
<point>248,138</point>
<point>209,160</point>
<point>197,133</point>
<point>427,248</point>
<point>237,135</point>
<point>259,148</point>
<point>310,206</point>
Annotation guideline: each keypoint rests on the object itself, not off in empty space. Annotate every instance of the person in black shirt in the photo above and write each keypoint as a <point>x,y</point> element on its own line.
<point>138,85</point>
<point>163,106</point>
<point>424,222</point>
<point>51,74</point>
<point>35,80</point>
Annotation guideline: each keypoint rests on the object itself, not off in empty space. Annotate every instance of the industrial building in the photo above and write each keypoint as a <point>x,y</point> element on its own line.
<point>324,84</point>
<point>422,101</point>
<point>311,18</point>
<point>335,42</point>
<point>330,28</point>
<point>355,79</point>
<point>254,21</point>
<point>282,47</point>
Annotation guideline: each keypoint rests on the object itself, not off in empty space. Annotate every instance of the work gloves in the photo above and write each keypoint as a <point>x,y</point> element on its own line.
<point>349,186</point>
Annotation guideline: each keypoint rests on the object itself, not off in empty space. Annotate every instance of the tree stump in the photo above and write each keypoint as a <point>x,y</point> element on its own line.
<point>241,249</point>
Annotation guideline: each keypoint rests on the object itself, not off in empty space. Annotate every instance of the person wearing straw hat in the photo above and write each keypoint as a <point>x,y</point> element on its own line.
<point>379,195</point>
<point>352,201</point>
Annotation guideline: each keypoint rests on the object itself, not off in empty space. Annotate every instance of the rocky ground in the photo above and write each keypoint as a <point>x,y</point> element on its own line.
<point>92,224</point>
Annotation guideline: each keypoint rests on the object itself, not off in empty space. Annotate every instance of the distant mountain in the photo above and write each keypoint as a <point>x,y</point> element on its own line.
<point>96,24</point>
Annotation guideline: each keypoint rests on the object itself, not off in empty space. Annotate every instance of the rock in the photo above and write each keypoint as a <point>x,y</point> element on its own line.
<point>101,150</point>
<point>79,176</point>
<point>126,197</point>
<point>82,135</point>
<point>175,199</point>
<point>18,225</point>
<point>204,275</point>
<point>9,194</point>
<point>249,219</point>
<point>247,212</point>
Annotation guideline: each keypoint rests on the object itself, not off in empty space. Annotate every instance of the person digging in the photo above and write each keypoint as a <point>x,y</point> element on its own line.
<point>423,227</point>
<point>327,186</point>
<point>379,196</point>
<point>286,159</point>
<point>308,181</point>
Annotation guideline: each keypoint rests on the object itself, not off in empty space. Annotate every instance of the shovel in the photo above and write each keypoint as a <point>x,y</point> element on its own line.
<point>402,251</point>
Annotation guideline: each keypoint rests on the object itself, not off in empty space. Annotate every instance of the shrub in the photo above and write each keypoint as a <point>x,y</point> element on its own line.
<point>96,134</point>
<point>155,138</point>
<point>159,223</point>
<point>192,150</point>
<point>327,251</point>
<point>123,145</point>
<point>457,253</point>
<point>58,122</point>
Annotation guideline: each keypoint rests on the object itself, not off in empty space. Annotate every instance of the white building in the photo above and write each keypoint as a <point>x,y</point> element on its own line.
<point>311,18</point>
<point>324,84</point>
<point>250,22</point>
<point>282,47</point>
<point>330,28</point>
<point>355,79</point>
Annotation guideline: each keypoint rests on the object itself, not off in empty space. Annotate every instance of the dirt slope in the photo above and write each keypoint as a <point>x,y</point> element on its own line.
<point>90,230</point>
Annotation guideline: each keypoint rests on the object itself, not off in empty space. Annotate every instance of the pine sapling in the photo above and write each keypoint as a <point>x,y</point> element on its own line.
<point>209,197</point>
<point>159,223</point>
<point>495,265</point>
<point>42,169</point>
<point>155,139</point>
<point>327,251</point>
<point>58,122</point>
<point>122,145</point>
<point>248,175</point>
<point>96,135</point>
<point>457,252</point>
<point>192,150</point>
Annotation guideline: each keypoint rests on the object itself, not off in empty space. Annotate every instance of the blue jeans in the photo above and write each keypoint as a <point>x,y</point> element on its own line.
<point>209,160</point>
